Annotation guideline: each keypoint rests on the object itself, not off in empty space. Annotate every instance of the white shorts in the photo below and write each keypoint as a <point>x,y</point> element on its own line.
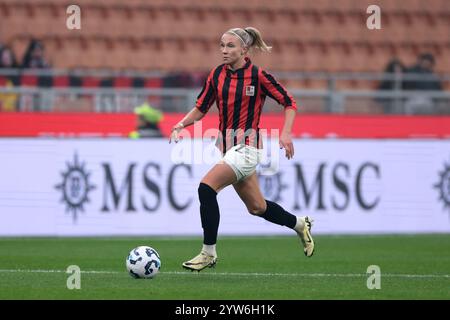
<point>243,160</point>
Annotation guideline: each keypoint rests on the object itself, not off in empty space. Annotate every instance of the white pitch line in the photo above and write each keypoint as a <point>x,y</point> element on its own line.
<point>243,274</point>
<point>53,271</point>
<point>348,275</point>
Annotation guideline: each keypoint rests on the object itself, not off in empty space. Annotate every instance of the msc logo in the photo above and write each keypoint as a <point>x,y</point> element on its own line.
<point>270,181</point>
<point>136,188</point>
<point>75,187</point>
<point>443,186</point>
<point>272,186</point>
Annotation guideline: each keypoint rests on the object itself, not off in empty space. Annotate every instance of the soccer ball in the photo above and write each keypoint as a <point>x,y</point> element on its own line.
<point>143,262</point>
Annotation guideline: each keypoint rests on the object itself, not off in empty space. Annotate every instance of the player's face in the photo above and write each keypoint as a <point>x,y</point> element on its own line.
<point>231,48</point>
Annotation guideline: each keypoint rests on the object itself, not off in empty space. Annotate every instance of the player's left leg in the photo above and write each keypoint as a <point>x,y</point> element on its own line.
<point>250,193</point>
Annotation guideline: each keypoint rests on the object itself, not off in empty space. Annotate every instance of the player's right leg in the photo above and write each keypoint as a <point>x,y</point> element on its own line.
<point>220,176</point>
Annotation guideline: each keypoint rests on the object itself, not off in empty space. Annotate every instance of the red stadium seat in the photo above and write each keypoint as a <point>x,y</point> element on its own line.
<point>61,81</point>
<point>412,27</point>
<point>28,80</point>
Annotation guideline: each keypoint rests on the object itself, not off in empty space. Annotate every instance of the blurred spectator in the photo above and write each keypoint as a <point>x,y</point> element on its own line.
<point>395,70</point>
<point>7,58</point>
<point>423,103</point>
<point>8,101</point>
<point>147,122</point>
<point>425,65</point>
<point>34,56</point>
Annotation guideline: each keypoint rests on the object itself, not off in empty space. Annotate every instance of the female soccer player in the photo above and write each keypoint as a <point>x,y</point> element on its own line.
<point>239,89</point>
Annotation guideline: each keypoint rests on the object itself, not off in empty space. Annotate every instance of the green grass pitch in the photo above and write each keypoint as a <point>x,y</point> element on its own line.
<point>267,268</point>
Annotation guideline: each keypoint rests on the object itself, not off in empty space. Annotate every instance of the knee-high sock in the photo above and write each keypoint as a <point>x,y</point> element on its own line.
<point>209,213</point>
<point>276,214</point>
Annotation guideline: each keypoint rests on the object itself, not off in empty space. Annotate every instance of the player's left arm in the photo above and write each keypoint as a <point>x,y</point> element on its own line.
<point>272,88</point>
<point>286,133</point>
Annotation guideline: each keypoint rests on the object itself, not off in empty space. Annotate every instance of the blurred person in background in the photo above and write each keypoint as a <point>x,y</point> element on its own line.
<point>7,58</point>
<point>148,119</point>
<point>427,81</point>
<point>425,66</point>
<point>34,59</point>
<point>394,70</point>
<point>239,90</point>
<point>34,56</point>
<point>8,101</point>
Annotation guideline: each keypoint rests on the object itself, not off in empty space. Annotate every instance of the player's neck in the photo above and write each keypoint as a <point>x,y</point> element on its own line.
<point>238,64</point>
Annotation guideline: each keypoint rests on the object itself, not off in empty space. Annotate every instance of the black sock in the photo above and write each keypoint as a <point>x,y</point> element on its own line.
<point>276,214</point>
<point>209,213</point>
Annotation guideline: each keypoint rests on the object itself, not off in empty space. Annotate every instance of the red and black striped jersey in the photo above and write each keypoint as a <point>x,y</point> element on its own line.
<point>240,96</point>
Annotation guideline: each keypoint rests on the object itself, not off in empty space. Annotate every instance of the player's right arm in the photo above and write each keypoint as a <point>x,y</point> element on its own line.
<point>189,119</point>
<point>204,101</point>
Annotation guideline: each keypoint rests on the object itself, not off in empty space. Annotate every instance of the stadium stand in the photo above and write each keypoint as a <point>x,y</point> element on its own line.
<point>138,44</point>
<point>149,35</point>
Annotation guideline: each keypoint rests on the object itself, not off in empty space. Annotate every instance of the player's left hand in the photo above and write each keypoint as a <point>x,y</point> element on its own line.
<point>286,144</point>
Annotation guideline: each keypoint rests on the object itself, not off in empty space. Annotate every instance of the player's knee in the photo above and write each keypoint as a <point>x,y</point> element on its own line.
<point>205,192</point>
<point>257,208</point>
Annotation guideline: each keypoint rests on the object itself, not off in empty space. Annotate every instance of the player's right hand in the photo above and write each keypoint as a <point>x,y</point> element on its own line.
<point>175,134</point>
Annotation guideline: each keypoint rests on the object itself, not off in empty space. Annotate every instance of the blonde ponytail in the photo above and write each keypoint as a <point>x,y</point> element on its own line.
<point>258,41</point>
<point>251,38</point>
